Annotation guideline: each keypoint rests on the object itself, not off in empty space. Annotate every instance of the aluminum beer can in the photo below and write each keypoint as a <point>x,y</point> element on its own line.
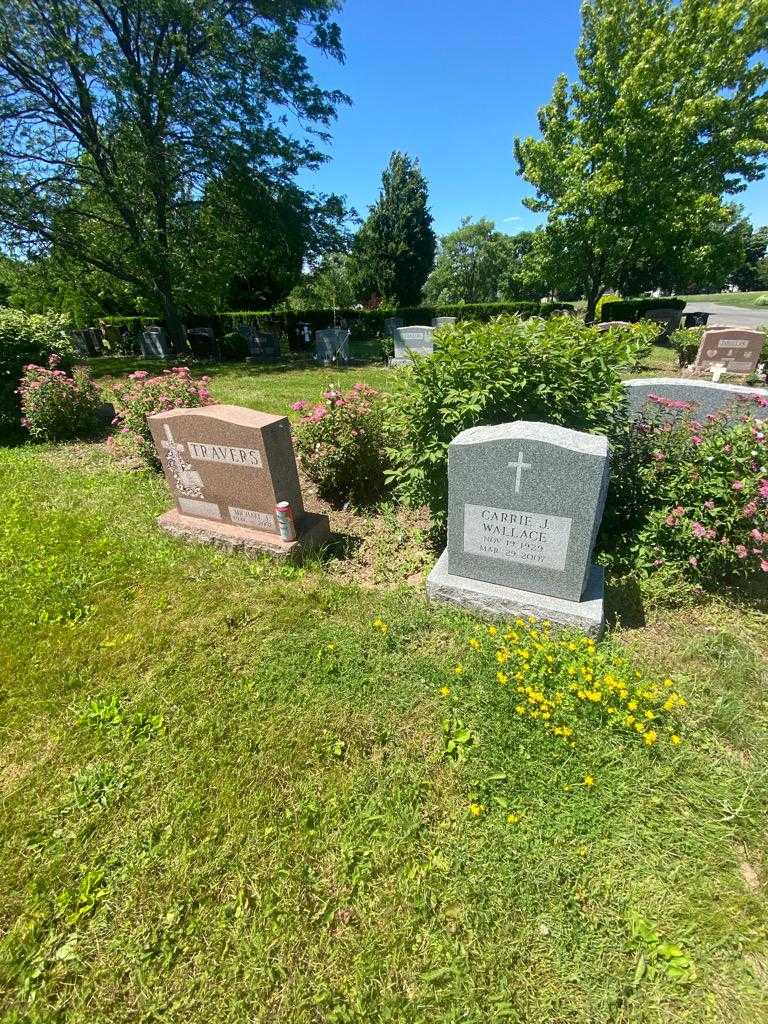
<point>286,524</point>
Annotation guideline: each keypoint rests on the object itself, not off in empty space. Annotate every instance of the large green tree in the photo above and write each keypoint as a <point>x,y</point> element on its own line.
<point>394,250</point>
<point>469,265</point>
<point>668,114</point>
<point>118,118</point>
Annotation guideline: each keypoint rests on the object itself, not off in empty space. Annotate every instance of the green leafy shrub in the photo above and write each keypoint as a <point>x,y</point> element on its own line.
<point>340,445</point>
<point>601,302</point>
<point>690,495</point>
<point>56,406</point>
<point>27,338</point>
<point>234,346</point>
<point>559,371</point>
<point>141,395</point>
<point>633,310</point>
<point>685,341</point>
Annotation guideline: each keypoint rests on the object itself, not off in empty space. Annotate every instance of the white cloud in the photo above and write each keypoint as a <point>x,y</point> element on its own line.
<point>508,220</point>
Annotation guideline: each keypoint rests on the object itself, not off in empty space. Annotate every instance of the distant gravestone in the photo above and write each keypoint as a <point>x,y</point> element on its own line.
<point>695,319</point>
<point>667,319</point>
<point>391,323</point>
<point>202,342</point>
<point>700,397</point>
<point>525,502</point>
<point>263,347</point>
<point>412,339</point>
<point>608,325</point>
<point>154,343</point>
<point>80,343</point>
<point>443,321</point>
<point>228,468</point>
<point>737,348</point>
<point>332,345</point>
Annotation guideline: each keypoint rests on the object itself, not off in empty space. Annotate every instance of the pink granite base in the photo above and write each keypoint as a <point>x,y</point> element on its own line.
<point>314,532</point>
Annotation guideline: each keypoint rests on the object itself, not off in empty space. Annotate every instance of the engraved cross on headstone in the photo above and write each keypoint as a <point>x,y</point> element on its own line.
<point>519,466</point>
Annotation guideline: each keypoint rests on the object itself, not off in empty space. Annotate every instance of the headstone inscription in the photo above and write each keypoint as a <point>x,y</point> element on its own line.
<point>228,467</point>
<point>154,343</point>
<point>524,505</point>
<point>332,345</point>
<point>416,339</point>
<point>738,348</point>
<point>391,323</point>
<point>263,347</point>
<point>443,321</point>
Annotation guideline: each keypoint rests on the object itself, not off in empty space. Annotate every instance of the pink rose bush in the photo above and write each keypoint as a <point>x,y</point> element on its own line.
<point>703,508</point>
<point>140,395</point>
<point>57,406</point>
<point>340,443</point>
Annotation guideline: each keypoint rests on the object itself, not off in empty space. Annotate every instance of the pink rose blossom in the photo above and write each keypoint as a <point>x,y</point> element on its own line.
<point>709,504</point>
<point>738,485</point>
<point>696,439</point>
<point>764,488</point>
<point>298,406</point>
<point>741,551</point>
<point>764,565</point>
<point>711,535</point>
<point>698,530</point>
<point>694,561</point>
<point>670,521</point>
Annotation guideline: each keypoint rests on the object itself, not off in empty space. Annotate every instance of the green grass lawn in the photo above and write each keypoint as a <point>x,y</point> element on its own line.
<point>745,299</point>
<point>224,795</point>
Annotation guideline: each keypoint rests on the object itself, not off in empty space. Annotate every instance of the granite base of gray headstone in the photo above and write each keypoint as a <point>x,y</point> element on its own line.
<point>491,601</point>
<point>525,502</point>
<point>708,397</point>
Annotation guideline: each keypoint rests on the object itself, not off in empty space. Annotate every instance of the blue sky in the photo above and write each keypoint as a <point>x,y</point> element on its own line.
<point>451,83</point>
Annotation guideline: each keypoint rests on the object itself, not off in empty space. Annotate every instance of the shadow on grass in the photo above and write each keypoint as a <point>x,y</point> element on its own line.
<point>119,366</point>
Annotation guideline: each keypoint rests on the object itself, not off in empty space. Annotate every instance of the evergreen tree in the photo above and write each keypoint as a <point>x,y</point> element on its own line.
<point>394,250</point>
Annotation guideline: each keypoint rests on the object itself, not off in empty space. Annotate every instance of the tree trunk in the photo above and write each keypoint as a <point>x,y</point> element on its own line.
<point>173,325</point>
<point>592,292</point>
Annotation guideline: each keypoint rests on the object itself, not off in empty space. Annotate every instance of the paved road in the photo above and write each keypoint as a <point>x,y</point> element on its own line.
<point>730,315</point>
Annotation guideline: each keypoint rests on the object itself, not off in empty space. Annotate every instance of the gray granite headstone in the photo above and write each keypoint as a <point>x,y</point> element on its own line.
<point>609,325</point>
<point>154,343</point>
<point>392,322</point>
<point>263,347</point>
<point>332,345</point>
<point>736,348</point>
<point>443,321</point>
<point>706,396</point>
<point>418,339</point>
<point>202,342</point>
<point>668,319</point>
<point>525,502</point>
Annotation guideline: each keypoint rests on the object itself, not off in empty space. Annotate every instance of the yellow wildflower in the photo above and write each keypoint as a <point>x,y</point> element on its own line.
<point>513,818</point>
<point>492,631</point>
<point>650,737</point>
<point>474,643</point>
<point>459,670</point>
<point>588,781</point>
<point>675,739</point>
<point>476,809</point>
<point>445,690</point>
<point>502,655</point>
<point>502,678</point>
<point>520,709</point>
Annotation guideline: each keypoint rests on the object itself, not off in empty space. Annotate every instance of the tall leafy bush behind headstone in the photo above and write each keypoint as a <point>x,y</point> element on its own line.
<point>554,371</point>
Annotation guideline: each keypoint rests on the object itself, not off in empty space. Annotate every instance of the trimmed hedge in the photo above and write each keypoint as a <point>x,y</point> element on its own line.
<point>365,324</point>
<point>633,310</point>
